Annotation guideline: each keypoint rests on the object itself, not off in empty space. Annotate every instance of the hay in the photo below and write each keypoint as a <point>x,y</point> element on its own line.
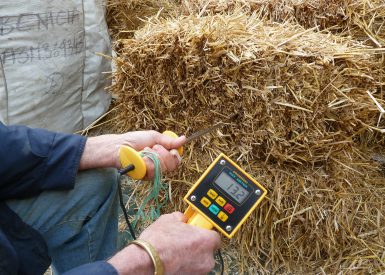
<point>361,19</point>
<point>298,118</point>
<point>124,17</point>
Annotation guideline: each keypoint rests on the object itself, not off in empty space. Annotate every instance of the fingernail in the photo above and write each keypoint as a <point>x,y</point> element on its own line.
<point>176,154</point>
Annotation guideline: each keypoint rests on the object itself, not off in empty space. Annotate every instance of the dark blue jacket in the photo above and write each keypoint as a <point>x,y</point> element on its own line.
<point>31,161</point>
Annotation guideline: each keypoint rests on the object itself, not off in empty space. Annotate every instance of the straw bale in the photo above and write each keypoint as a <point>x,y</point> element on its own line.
<point>361,19</point>
<point>124,17</point>
<point>298,117</point>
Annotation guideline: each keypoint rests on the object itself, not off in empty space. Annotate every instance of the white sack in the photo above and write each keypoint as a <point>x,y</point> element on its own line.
<point>50,76</point>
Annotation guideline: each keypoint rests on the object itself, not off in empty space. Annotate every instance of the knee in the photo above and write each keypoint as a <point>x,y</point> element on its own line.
<point>99,183</point>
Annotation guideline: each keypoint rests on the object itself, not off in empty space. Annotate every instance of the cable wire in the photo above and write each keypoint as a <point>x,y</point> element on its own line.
<point>132,232</point>
<point>122,206</point>
<point>221,261</point>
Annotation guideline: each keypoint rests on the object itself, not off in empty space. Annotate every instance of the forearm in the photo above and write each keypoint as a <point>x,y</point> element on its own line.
<point>101,151</point>
<point>132,260</point>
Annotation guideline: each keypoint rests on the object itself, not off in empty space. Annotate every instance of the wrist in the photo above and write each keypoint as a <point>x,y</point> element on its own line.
<point>101,152</point>
<point>132,260</point>
<point>151,251</point>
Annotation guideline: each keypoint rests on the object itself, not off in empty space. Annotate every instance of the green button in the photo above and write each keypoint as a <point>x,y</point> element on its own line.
<point>214,209</point>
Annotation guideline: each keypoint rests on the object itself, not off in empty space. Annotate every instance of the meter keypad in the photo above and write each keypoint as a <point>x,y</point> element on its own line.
<point>229,208</point>
<point>221,201</point>
<point>212,194</point>
<point>214,209</point>
<point>205,201</point>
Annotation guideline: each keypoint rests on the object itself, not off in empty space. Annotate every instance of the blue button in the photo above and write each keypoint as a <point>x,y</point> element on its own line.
<point>214,209</point>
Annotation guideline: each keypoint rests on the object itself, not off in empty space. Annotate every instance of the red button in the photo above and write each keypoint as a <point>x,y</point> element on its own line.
<point>229,208</point>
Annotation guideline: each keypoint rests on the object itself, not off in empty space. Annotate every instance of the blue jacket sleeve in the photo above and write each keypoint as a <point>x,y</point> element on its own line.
<point>33,160</point>
<point>96,268</point>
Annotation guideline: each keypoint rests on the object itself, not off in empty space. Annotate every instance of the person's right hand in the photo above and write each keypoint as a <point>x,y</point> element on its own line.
<point>103,151</point>
<point>183,248</point>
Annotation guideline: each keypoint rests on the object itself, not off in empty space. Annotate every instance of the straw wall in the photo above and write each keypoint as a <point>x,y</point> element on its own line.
<point>125,17</point>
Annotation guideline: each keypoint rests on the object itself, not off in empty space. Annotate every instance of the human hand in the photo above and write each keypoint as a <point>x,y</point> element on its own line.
<point>142,139</point>
<point>183,248</point>
<point>103,151</point>
<point>162,145</point>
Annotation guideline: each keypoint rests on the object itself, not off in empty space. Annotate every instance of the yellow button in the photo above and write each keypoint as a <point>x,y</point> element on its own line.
<point>205,201</point>
<point>222,216</point>
<point>221,201</point>
<point>212,194</point>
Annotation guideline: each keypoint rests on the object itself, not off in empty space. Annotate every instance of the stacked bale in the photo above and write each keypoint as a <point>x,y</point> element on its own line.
<point>298,117</point>
<point>125,17</point>
<point>360,19</point>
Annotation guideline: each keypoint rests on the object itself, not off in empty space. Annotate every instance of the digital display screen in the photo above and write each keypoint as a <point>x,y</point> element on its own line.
<point>231,187</point>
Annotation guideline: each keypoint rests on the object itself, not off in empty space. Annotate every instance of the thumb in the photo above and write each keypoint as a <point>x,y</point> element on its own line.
<point>170,142</point>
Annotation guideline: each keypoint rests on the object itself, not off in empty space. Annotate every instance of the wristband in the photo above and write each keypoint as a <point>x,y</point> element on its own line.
<point>158,265</point>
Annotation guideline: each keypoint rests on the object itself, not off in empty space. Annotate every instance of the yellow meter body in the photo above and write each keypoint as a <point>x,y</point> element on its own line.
<point>223,197</point>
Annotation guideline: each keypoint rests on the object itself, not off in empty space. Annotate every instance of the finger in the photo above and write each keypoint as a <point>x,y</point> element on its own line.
<point>169,160</point>
<point>176,216</point>
<point>215,238</point>
<point>176,155</point>
<point>212,237</point>
<point>170,142</point>
<point>156,151</point>
<point>150,168</point>
<point>211,263</point>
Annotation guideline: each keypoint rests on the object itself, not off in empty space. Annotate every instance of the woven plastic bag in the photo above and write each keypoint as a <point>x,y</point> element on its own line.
<point>50,75</point>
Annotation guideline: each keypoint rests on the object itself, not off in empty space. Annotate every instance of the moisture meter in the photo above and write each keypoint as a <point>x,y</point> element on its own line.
<point>223,197</point>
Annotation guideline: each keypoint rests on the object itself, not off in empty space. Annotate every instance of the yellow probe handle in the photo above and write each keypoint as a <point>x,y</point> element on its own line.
<point>127,156</point>
<point>196,219</point>
<point>172,134</point>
